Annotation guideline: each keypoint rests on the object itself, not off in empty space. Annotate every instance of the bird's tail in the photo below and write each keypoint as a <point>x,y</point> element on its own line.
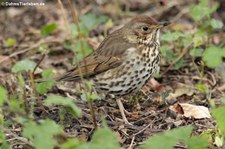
<point>68,76</point>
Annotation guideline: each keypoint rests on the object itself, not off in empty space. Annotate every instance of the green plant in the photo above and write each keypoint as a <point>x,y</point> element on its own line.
<point>48,29</point>
<point>44,87</point>
<point>10,42</point>
<point>197,42</point>
<point>171,138</point>
<point>80,33</point>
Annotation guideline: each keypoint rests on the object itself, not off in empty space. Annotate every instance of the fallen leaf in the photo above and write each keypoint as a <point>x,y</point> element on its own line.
<point>191,111</point>
<point>179,92</point>
<point>177,108</point>
<point>154,85</point>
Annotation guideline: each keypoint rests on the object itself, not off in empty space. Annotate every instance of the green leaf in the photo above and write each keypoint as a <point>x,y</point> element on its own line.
<point>213,56</point>
<point>16,105</point>
<point>109,23</point>
<point>24,65</point>
<point>3,95</point>
<point>170,55</point>
<point>48,73</point>
<point>72,143</point>
<point>202,10</point>
<point>168,139</point>
<point>216,24</point>
<point>171,36</point>
<point>104,138</point>
<point>187,40</point>
<point>21,81</point>
<point>179,64</point>
<point>10,42</point>
<point>5,145</point>
<point>79,54</point>
<point>164,49</point>
<point>198,142</point>
<point>197,52</point>
<point>42,134</point>
<point>44,49</point>
<point>43,87</point>
<point>198,40</point>
<point>202,88</point>
<point>48,29</point>
<point>63,101</point>
<point>218,114</point>
<point>83,30</point>
<point>90,20</point>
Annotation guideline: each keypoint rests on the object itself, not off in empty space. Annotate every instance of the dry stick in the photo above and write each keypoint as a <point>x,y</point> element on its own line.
<point>185,50</point>
<point>75,17</point>
<point>132,142</point>
<point>142,129</point>
<point>33,85</point>
<point>90,102</point>
<point>182,12</point>
<point>63,14</point>
<point>24,140</point>
<point>170,4</point>
<point>28,49</point>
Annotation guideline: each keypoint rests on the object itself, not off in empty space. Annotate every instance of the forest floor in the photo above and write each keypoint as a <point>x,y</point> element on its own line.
<point>174,102</point>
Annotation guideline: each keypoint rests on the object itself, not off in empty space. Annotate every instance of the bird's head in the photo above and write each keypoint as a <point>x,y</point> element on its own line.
<point>143,29</point>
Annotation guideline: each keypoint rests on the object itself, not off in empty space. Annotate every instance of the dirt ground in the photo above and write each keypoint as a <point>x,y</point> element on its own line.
<point>151,109</point>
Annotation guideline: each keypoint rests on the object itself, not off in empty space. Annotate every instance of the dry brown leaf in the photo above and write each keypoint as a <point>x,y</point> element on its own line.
<point>154,85</point>
<point>179,92</point>
<point>191,111</point>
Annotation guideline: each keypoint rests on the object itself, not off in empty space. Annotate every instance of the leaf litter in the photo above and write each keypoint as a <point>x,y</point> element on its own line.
<point>150,118</point>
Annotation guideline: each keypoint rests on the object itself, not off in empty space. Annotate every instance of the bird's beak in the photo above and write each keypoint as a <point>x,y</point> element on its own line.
<point>163,24</point>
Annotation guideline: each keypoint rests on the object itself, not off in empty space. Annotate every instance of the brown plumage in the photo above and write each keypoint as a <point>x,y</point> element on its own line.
<point>124,61</point>
<point>140,36</point>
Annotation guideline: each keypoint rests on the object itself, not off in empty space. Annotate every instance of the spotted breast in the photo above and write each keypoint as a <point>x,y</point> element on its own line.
<point>136,70</point>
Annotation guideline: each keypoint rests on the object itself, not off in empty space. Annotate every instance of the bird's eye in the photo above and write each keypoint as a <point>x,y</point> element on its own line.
<point>145,28</point>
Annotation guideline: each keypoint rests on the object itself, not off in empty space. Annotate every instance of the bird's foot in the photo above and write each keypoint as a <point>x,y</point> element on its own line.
<point>123,111</point>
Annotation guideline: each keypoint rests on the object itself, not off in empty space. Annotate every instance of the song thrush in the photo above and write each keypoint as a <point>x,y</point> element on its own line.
<point>124,61</point>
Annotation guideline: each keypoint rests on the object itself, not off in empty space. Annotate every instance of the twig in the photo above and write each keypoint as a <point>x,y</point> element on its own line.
<point>133,127</point>
<point>90,104</point>
<point>63,14</point>
<point>132,142</point>
<point>28,49</point>
<point>142,129</point>
<point>24,140</point>
<point>38,64</point>
<point>170,4</point>
<point>180,14</point>
<point>76,20</point>
<point>33,84</point>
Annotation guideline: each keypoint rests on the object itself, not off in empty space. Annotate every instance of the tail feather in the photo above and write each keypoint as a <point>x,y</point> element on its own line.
<point>64,77</point>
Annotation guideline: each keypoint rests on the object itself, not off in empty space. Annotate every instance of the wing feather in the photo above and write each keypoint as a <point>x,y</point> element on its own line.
<point>108,55</point>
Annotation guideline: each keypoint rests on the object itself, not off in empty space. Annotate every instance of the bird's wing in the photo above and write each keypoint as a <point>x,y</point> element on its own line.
<point>108,55</point>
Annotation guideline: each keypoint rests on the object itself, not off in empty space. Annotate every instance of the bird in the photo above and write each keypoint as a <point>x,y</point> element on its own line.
<point>124,61</point>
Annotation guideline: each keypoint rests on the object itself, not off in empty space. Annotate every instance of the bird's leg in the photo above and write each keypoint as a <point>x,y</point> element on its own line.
<point>121,107</point>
